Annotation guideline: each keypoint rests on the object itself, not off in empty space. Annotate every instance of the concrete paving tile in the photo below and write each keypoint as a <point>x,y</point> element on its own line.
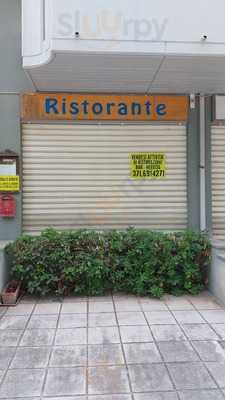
<point>10,338</point>
<point>146,378</point>
<point>103,335</point>
<point>135,334</point>
<point>1,374</point>
<point>214,316</point>
<point>101,307</point>
<point>141,353</point>
<point>74,308</point>
<point>191,376</point>
<point>188,317</point>
<point>206,304</point>
<point>220,330</point>
<point>222,344</point>
<point>69,356</point>
<point>124,296</point>
<point>102,319</point>
<point>160,318</point>
<point>43,322</point>
<point>20,309</point>
<point>200,332</point>
<point>104,299</point>
<point>151,301</point>
<point>210,350</point>
<point>178,303</point>
<point>108,380</point>
<point>63,398</point>
<point>71,337</point>
<point>156,396</point>
<point>177,351</point>
<point>153,305</point>
<point>2,311</point>
<point>22,383</point>
<point>6,355</point>
<point>27,398</point>
<point>105,355</point>
<point>30,357</point>
<point>75,299</point>
<point>218,372</point>
<point>201,395</point>
<point>111,397</point>
<point>131,318</point>
<point>13,321</point>
<point>167,333</point>
<point>72,321</point>
<point>65,381</point>
<point>47,308</point>
<point>127,305</point>
<point>37,337</point>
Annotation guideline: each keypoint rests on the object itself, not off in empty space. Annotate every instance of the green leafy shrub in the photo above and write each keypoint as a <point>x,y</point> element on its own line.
<point>89,262</point>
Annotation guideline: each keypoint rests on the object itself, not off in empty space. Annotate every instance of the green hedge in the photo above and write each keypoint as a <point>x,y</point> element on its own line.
<point>88,262</point>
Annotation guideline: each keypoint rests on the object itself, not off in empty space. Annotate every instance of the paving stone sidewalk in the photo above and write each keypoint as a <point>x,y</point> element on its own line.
<point>113,348</point>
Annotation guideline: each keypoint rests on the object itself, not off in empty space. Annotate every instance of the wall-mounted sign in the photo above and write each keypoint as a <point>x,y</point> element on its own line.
<point>147,165</point>
<point>103,107</point>
<point>9,172</point>
<point>9,183</point>
<point>7,167</point>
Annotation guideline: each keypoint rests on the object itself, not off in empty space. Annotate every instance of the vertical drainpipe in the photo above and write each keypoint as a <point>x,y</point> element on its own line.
<point>202,164</point>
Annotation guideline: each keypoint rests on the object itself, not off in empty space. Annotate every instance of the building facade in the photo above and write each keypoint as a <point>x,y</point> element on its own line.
<point>115,113</point>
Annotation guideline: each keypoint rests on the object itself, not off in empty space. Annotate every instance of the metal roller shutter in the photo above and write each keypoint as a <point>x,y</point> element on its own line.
<point>218,181</point>
<point>78,176</point>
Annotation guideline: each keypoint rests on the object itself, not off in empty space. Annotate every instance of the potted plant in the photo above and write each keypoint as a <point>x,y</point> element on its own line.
<point>11,293</point>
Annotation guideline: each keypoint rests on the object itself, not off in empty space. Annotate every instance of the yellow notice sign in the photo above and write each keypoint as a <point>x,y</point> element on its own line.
<point>147,165</point>
<point>9,183</point>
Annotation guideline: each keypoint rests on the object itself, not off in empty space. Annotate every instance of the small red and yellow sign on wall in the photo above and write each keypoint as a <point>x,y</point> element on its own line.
<point>103,107</point>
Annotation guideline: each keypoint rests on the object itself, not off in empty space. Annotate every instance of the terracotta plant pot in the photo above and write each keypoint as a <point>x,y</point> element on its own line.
<point>11,293</point>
